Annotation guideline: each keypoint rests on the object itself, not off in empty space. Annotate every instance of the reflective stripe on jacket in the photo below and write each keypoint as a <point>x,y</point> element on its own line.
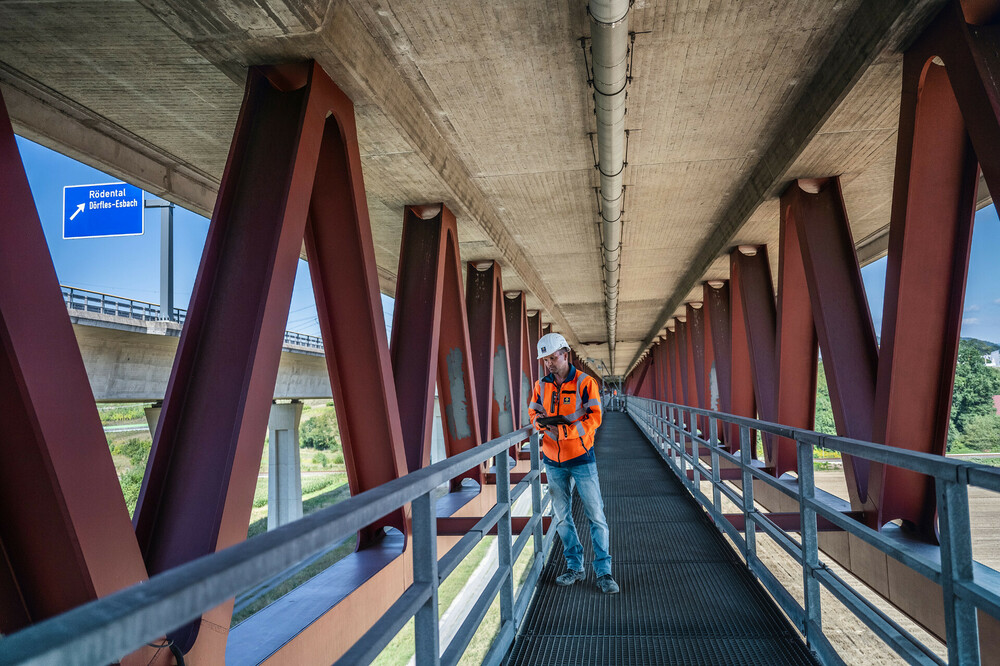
<point>579,400</point>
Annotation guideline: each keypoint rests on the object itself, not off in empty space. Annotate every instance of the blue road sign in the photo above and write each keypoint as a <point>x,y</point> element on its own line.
<point>96,211</point>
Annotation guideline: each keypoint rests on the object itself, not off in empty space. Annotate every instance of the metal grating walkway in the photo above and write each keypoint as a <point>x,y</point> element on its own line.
<point>685,596</point>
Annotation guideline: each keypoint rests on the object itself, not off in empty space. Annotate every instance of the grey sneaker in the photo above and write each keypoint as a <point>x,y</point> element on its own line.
<point>607,584</point>
<point>570,577</point>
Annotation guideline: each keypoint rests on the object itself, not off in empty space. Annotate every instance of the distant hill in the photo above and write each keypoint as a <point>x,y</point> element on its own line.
<point>984,347</point>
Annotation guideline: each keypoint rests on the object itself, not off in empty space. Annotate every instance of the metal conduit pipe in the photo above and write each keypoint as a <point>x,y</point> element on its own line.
<point>609,44</point>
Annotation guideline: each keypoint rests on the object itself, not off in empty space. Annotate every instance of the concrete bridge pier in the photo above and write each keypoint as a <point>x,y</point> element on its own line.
<point>284,476</point>
<point>153,416</point>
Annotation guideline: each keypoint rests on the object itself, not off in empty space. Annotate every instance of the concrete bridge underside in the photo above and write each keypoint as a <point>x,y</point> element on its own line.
<point>447,154</point>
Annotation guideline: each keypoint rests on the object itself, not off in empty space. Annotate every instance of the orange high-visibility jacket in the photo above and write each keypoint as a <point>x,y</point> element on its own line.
<point>579,400</point>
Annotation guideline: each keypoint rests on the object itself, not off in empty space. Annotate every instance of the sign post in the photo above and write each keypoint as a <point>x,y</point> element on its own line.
<point>99,211</point>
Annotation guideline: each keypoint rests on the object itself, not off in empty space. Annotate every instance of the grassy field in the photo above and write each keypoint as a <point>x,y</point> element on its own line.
<point>400,650</point>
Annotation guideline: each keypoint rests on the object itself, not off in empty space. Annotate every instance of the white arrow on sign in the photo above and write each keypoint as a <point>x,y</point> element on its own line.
<point>79,209</point>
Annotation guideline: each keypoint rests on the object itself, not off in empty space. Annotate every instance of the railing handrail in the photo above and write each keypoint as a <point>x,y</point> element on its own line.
<point>948,469</point>
<point>965,588</point>
<point>106,295</point>
<point>103,630</point>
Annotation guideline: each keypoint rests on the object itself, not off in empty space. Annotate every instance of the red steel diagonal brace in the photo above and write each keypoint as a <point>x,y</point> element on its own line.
<point>65,535</point>
<point>430,338</point>
<point>534,334</point>
<point>795,349</point>
<point>758,310</point>
<point>741,387</point>
<point>720,326</point>
<point>519,356</point>
<point>294,156</point>
<point>930,238</point>
<point>842,319</point>
<point>484,302</point>
<point>696,371</point>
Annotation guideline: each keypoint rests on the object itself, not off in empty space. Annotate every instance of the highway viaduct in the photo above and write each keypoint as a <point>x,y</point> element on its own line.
<point>686,191</point>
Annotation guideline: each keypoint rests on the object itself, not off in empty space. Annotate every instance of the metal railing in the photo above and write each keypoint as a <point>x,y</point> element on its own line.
<point>102,631</point>
<point>129,308</point>
<point>673,431</point>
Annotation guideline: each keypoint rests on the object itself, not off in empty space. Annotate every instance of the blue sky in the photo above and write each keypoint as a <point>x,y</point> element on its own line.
<point>129,266</point>
<point>981,316</point>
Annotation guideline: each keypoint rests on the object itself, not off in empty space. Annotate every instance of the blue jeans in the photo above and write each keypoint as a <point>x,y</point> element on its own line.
<point>561,481</point>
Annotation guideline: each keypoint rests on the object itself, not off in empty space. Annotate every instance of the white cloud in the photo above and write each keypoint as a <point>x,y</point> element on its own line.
<point>973,308</point>
<point>970,320</point>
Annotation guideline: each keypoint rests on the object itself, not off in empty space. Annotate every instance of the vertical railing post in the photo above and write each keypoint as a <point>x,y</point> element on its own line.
<point>813,619</point>
<point>750,535</point>
<point>504,541</point>
<point>536,491</point>
<point>695,454</point>
<point>662,427</point>
<point>680,450</point>
<point>425,571</point>
<point>961,624</point>
<point>673,439</point>
<point>713,439</point>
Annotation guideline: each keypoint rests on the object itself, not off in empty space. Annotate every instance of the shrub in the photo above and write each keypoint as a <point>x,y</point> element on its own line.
<point>320,432</point>
<point>122,413</point>
<point>338,458</point>
<point>135,449</point>
<point>321,460</point>
<point>131,480</point>
<point>982,433</point>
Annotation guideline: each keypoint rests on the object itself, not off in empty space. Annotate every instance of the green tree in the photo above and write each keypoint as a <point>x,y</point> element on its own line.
<point>982,433</point>
<point>824,410</point>
<point>320,432</point>
<point>975,386</point>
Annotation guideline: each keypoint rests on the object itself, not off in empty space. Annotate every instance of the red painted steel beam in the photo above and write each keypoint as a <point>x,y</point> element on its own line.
<point>760,318</point>
<point>795,347</point>
<point>684,367</point>
<point>430,337</point>
<point>670,360</point>
<point>696,360</point>
<point>930,238</point>
<point>462,526</point>
<point>65,534</point>
<point>196,499</point>
<point>665,377</point>
<point>640,377</point>
<point>488,335</point>
<point>534,334</point>
<point>349,304</point>
<point>663,370</point>
<point>520,356</point>
<point>843,322</point>
<point>742,401</point>
<point>719,325</point>
<point>294,156</point>
<point>710,390</point>
<point>725,473</point>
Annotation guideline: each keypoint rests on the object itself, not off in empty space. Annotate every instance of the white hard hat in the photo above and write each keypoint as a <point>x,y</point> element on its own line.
<point>550,343</point>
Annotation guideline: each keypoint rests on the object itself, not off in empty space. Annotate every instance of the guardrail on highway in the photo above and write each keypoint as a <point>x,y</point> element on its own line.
<point>96,302</point>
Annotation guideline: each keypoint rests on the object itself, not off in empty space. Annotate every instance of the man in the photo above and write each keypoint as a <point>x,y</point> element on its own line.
<point>568,452</point>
